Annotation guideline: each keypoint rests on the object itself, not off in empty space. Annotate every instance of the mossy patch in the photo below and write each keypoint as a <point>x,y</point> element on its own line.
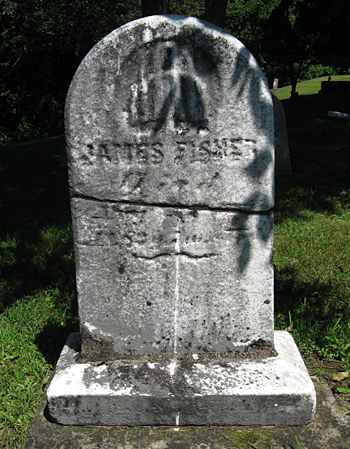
<point>247,437</point>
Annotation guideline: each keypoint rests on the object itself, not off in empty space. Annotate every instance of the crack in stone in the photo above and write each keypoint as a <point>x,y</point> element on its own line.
<point>193,207</point>
<point>156,256</point>
<point>182,253</point>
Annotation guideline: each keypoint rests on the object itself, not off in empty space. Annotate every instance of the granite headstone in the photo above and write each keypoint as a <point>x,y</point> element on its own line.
<point>283,165</point>
<point>169,128</point>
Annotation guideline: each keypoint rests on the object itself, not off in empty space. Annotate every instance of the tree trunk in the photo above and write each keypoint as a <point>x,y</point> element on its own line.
<point>293,92</point>
<point>215,12</point>
<point>152,7</point>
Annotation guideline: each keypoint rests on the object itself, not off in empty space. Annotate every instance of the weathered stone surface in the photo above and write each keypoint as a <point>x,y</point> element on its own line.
<point>193,391</point>
<point>170,143</point>
<point>282,158</point>
<point>329,429</point>
<point>171,110</point>
<point>154,279</point>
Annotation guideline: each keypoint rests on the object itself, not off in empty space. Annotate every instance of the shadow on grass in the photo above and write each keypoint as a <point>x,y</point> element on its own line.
<point>36,249</point>
<point>51,339</point>
<point>320,157</point>
<point>315,308</point>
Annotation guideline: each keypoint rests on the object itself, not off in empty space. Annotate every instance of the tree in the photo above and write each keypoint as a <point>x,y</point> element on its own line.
<point>151,7</point>
<point>245,19</point>
<point>215,12</point>
<point>291,37</point>
<point>334,22</point>
<point>42,42</point>
<point>300,33</point>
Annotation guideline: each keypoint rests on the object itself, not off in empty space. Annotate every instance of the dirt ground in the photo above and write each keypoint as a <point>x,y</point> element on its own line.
<point>325,369</point>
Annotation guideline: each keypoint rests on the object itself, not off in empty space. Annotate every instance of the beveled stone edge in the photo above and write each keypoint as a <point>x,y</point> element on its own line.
<point>269,404</point>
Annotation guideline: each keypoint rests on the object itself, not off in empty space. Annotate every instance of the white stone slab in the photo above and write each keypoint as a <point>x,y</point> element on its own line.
<point>192,391</point>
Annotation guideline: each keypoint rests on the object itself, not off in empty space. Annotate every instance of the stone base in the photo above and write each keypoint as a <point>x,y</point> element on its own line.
<point>193,390</point>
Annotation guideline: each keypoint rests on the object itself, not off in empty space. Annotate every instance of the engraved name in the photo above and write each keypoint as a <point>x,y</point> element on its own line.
<point>127,153</point>
<point>213,150</point>
<point>182,152</point>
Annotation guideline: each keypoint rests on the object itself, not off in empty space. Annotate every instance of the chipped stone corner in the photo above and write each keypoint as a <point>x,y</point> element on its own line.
<point>95,348</point>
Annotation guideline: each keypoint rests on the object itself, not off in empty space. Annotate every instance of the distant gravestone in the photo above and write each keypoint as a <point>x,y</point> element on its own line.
<point>282,158</point>
<point>171,166</point>
<point>334,86</point>
<point>275,85</point>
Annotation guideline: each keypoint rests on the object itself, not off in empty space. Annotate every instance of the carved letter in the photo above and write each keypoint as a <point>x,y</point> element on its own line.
<point>156,155</point>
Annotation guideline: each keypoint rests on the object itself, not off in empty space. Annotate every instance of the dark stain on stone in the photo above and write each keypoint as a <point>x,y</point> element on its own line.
<point>93,350</point>
<point>260,342</point>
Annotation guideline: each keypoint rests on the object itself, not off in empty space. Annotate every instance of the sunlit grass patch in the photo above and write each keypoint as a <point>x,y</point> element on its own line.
<point>23,368</point>
<point>37,288</point>
<point>312,281</point>
<point>308,87</point>
<point>32,333</point>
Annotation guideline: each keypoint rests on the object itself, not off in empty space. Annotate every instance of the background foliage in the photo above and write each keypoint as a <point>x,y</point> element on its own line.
<point>43,42</point>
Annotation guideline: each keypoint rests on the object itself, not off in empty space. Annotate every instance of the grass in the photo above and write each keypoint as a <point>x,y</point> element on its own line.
<point>312,233</point>
<point>296,447</point>
<point>23,367</point>
<point>37,287</point>
<point>37,299</point>
<point>309,87</point>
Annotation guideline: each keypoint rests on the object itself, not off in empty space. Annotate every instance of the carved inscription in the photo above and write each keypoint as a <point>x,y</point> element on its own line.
<point>168,88</point>
<point>148,233</point>
<point>207,150</point>
<point>132,181</point>
<point>182,152</point>
<point>126,153</point>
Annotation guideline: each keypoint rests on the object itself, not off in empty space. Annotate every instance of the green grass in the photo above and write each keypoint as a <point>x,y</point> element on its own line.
<point>23,367</point>
<point>312,270</point>
<point>37,287</point>
<point>312,228</point>
<point>309,87</point>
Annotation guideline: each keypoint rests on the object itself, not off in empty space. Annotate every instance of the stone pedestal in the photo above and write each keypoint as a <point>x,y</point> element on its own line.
<point>199,389</point>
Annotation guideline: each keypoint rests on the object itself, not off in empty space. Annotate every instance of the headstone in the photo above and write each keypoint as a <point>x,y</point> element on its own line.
<point>275,85</point>
<point>338,115</point>
<point>334,86</point>
<point>169,127</point>
<point>282,158</point>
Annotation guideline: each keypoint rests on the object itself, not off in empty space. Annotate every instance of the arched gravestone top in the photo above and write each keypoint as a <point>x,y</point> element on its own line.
<point>169,110</point>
